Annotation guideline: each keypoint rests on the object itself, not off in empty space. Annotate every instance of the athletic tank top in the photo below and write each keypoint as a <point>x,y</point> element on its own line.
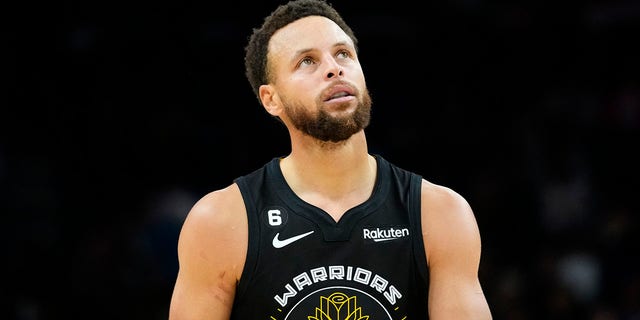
<point>302,265</point>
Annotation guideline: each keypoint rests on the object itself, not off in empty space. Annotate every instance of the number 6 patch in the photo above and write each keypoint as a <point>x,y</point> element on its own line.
<point>275,217</point>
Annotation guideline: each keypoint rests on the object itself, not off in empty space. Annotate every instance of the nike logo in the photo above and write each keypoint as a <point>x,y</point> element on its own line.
<point>277,243</point>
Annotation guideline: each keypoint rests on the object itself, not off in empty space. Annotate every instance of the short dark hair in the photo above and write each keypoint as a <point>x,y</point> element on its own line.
<point>255,59</point>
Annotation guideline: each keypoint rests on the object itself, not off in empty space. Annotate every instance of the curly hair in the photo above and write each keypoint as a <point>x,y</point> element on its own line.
<point>255,59</point>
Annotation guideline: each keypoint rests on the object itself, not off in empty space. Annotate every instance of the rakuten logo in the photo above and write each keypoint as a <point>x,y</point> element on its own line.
<point>384,234</point>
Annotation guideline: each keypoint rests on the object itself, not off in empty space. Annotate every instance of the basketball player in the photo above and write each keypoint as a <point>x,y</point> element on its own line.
<point>328,231</point>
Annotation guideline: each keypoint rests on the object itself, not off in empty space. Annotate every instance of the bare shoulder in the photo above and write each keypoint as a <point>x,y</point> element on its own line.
<point>211,255</point>
<point>216,227</point>
<point>448,222</point>
<point>220,209</point>
<point>439,198</point>
<point>452,246</point>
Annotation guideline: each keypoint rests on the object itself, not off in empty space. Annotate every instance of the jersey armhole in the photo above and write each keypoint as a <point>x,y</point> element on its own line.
<point>415,216</point>
<point>253,235</point>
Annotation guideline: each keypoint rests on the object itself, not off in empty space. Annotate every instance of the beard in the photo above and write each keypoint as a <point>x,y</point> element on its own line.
<point>325,127</point>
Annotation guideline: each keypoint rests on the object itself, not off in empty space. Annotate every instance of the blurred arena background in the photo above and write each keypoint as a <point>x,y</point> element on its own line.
<point>117,116</point>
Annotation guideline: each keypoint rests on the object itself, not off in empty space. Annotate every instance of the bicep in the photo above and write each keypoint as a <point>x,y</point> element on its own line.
<point>452,244</point>
<point>194,300</point>
<point>203,288</point>
<point>454,296</point>
<point>211,253</point>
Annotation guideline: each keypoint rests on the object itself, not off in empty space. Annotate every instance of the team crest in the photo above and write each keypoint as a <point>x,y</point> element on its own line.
<point>338,303</point>
<point>338,306</point>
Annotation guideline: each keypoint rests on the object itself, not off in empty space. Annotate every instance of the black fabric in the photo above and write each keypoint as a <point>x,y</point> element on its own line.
<point>369,263</point>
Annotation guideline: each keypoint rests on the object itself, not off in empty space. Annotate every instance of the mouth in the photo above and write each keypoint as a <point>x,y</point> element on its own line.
<point>338,95</point>
<point>339,91</point>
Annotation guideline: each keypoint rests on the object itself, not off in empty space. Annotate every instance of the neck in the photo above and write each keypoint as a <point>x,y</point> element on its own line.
<point>326,162</point>
<point>334,177</point>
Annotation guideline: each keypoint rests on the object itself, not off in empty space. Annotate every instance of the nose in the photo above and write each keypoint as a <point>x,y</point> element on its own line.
<point>338,72</point>
<point>334,69</point>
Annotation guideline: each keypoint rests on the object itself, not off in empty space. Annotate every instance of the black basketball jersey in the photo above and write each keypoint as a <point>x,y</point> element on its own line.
<point>302,265</point>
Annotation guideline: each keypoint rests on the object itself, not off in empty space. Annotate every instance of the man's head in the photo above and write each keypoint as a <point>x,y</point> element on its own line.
<point>256,51</point>
<point>304,68</point>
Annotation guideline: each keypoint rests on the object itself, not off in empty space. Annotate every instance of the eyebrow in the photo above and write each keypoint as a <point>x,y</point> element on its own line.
<point>305,50</point>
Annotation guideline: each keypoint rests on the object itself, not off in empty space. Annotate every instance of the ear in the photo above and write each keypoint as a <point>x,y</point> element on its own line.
<point>269,99</point>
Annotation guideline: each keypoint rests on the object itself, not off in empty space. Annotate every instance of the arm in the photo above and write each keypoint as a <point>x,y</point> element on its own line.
<point>211,253</point>
<point>452,246</point>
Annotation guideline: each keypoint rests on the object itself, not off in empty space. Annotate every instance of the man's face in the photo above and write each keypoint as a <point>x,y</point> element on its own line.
<point>318,79</point>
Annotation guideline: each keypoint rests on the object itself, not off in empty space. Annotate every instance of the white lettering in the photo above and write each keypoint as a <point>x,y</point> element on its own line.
<point>362,276</point>
<point>321,274</point>
<point>378,234</point>
<point>302,280</point>
<point>379,283</point>
<point>285,297</point>
<point>392,294</point>
<point>318,274</point>
<point>336,272</point>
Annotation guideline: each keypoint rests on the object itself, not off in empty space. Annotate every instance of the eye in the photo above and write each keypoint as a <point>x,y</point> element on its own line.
<point>306,61</point>
<point>343,54</point>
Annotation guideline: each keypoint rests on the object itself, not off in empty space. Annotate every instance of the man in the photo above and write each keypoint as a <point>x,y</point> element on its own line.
<point>328,231</point>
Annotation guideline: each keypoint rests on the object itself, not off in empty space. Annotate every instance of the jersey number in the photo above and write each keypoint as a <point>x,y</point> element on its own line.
<point>274,217</point>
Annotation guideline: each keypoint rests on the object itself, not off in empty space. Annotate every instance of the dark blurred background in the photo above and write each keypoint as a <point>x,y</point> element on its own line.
<point>118,116</point>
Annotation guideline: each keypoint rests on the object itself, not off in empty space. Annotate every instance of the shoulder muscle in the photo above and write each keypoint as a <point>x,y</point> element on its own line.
<point>211,253</point>
<point>448,224</point>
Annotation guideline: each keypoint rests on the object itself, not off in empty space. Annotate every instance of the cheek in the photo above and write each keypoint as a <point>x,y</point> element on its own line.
<point>360,81</point>
<point>302,87</point>
<point>357,73</point>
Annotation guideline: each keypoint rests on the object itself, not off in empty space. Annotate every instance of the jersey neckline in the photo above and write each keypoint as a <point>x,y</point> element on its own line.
<point>333,230</point>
